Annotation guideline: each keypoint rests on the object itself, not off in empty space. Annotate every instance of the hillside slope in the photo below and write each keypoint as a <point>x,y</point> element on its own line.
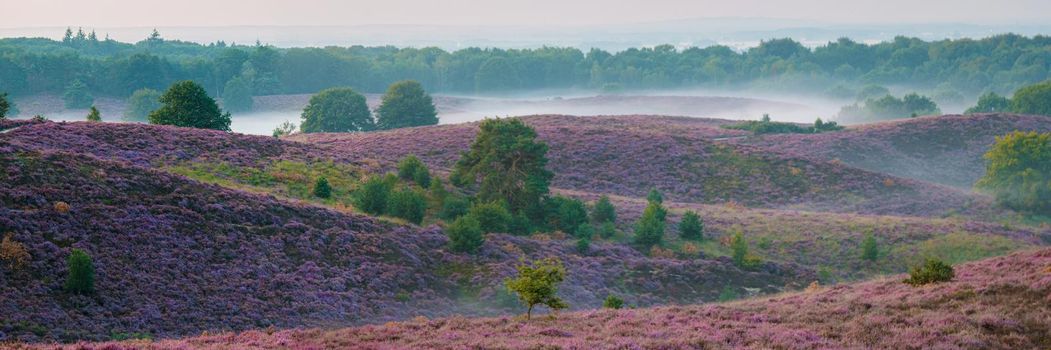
<point>999,303</point>
<point>681,157</point>
<point>942,149</point>
<point>177,257</point>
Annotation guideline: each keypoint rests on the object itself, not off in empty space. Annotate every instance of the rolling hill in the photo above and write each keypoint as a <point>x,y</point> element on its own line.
<point>999,303</point>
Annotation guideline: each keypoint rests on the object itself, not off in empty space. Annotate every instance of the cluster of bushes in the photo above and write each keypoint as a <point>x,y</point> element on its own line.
<point>766,126</point>
<point>888,107</point>
<point>1032,99</point>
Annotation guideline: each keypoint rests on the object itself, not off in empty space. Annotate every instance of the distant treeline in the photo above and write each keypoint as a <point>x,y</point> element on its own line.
<point>949,69</point>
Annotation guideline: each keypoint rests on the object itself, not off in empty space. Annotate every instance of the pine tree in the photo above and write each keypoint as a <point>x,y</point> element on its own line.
<point>81,277</point>
<point>869,251</point>
<point>94,116</point>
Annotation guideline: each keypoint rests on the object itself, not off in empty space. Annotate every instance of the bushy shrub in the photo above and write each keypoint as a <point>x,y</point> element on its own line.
<point>520,224</point>
<point>186,104</point>
<point>454,207</point>
<point>492,217</point>
<point>727,294</point>
<point>284,129</point>
<point>740,255</point>
<point>691,226</point>
<point>655,196</point>
<point>613,302</point>
<point>1033,99</point>
<point>438,190</point>
<point>990,102</point>
<point>407,204</point>
<point>465,235</point>
<point>372,196</point>
<point>567,213</point>
<point>603,211</point>
<point>583,245</point>
<point>81,277</point>
<point>932,271</point>
<point>14,253</point>
<point>869,251</point>
<point>585,230</point>
<point>411,168</point>
<point>649,230</point>
<point>322,188</point>
<point>537,284</point>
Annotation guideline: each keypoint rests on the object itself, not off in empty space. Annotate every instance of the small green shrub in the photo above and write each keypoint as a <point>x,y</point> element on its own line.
<point>492,217</point>
<point>322,188</point>
<point>81,277</point>
<point>869,250</point>
<point>607,230</point>
<point>407,204</point>
<point>932,271</point>
<point>603,211</point>
<point>585,230</point>
<point>728,293</point>
<point>649,230</point>
<point>613,302</point>
<point>373,195</point>
<point>94,116</point>
<point>465,235</point>
<point>411,168</point>
<point>454,207</point>
<point>691,227</point>
<point>655,196</point>
<point>567,213</point>
<point>583,245</point>
<point>520,224</point>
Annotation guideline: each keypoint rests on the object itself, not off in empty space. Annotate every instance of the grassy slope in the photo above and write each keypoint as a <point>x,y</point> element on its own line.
<point>679,156</point>
<point>998,303</point>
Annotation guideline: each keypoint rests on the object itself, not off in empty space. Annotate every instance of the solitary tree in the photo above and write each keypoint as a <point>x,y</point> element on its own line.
<point>186,104</point>
<point>691,226</point>
<point>77,95</point>
<point>1033,99</point>
<point>411,168</point>
<point>141,103</point>
<point>406,104</point>
<point>1018,172</point>
<point>94,115</point>
<point>537,284</point>
<point>373,195</point>
<point>613,302</point>
<point>336,110</point>
<point>739,246</point>
<point>603,211</point>
<point>510,163</point>
<point>649,230</point>
<point>407,204</point>
<point>81,277</point>
<point>322,188</point>
<point>869,250</point>
<point>237,95</point>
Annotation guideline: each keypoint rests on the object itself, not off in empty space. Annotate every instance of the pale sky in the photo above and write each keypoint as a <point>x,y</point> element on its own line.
<point>148,13</point>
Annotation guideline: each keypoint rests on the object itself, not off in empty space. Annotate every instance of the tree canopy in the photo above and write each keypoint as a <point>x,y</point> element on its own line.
<point>336,110</point>
<point>537,284</point>
<point>1033,99</point>
<point>1018,171</point>
<point>237,96</point>
<point>186,104</point>
<point>406,104</point>
<point>141,103</point>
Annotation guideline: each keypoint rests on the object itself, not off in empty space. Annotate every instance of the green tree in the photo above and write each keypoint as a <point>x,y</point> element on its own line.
<point>1018,171</point>
<point>336,110</point>
<point>141,103</point>
<point>491,216</point>
<point>237,95</point>
<point>932,271</point>
<point>94,115</point>
<point>465,235</point>
<point>1033,99</point>
<point>406,104</point>
<point>510,163</point>
<point>284,129</point>
<point>186,104</point>
<point>739,246</point>
<point>613,302</point>
<point>655,196</point>
<point>649,230</point>
<point>411,168</point>
<point>691,227</point>
<point>567,213</point>
<point>603,211</point>
<point>583,245</point>
<point>322,188</point>
<point>5,105</point>
<point>494,75</point>
<point>454,207</point>
<point>81,277</point>
<point>990,102</point>
<point>537,284</point>
<point>372,195</point>
<point>407,204</point>
<point>77,95</point>
<point>869,250</point>
<point>607,229</point>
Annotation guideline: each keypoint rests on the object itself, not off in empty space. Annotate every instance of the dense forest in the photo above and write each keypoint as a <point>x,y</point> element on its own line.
<point>947,70</point>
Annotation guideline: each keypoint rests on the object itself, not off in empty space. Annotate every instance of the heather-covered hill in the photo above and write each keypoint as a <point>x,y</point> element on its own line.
<point>681,157</point>
<point>999,303</point>
<point>175,257</point>
<point>941,149</point>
